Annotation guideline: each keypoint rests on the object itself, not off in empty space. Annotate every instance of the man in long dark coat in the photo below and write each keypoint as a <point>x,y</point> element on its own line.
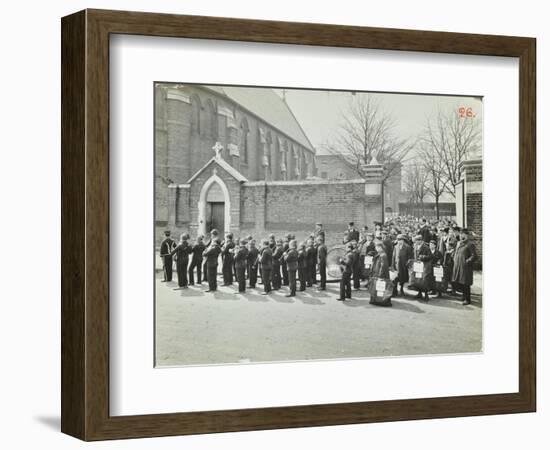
<point>421,252</point>
<point>284,267</point>
<point>322,261</point>
<point>402,253</point>
<point>463,273</point>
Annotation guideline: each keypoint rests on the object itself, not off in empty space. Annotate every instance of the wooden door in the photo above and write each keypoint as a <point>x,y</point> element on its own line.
<point>217,217</point>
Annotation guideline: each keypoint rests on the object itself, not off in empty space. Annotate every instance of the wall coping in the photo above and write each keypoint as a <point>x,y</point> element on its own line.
<point>302,182</point>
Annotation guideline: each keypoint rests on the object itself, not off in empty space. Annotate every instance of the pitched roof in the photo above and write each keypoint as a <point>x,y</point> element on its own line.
<point>224,165</point>
<point>267,105</point>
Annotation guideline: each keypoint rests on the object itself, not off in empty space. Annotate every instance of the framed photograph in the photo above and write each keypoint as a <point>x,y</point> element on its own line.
<point>273,225</point>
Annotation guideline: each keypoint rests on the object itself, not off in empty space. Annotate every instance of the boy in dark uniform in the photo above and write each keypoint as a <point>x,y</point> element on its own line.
<point>291,261</point>
<point>181,252</point>
<point>166,247</point>
<point>314,269</point>
<point>284,266</point>
<point>241,259</point>
<point>252,263</point>
<point>196,261</point>
<point>211,254</point>
<point>272,242</point>
<point>266,265</point>
<point>346,264</point>
<point>213,237</point>
<point>310,262</point>
<point>302,266</point>
<point>322,261</point>
<point>356,266</point>
<point>227,260</point>
<point>277,260</point>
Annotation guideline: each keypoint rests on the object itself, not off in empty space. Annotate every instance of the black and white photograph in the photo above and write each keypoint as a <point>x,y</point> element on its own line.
<point>303,224</point>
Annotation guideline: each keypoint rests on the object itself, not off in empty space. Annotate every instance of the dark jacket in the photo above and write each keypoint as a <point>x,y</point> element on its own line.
<point>253,256</point>
<point>401,257</point>
<point>182,252</point>
<point>353,235</point>
<point>380,266</point>
<point>302,263</point>
<point>322,254</point>
<point>166,246</point>
<point>465,255</point>
<point>266,258</point>
<point>310,256</point>
<point>424,254</point>
<point>227,256</point>
<point>241,258</point>
<point>277,257</point>
<point>198,250</point>
<point>211,254</point>
<point>347,262</point>
<point>291,259</point>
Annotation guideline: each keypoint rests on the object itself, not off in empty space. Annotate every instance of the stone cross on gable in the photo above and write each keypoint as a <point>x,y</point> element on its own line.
<point>218,147</point>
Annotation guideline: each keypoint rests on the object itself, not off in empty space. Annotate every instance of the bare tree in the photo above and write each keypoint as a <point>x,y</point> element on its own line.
<point>368,132</point>
<point>451,138</point>
<point>435,169</point>
<point>416,181</point>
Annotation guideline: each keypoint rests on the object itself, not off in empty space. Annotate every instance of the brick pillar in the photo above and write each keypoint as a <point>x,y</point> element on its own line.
<point>373,191</point>
<point>472,174</point>
<point>178,129</point>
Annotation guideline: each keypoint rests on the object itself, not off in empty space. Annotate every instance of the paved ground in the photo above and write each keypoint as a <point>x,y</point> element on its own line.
<point>196,327</point>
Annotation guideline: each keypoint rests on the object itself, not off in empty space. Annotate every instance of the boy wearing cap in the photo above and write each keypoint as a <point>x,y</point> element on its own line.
<point>286,244</point>
<point>181,253</point>
<point>291,261</point>
<point>302,266</point>
<point>310,262</point>
<point>196,260</point>
<point>277,260</point>
<point>166,247</point>
<point>266,265</point>
<point>211,254</point>
<point>252,263</point>
<point>241,260</point>
<point>227,260</point>
<point>353,233</point>
<point>346,265</point>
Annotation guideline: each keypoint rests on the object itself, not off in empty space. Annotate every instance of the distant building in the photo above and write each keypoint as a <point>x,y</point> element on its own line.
<point>332,166</point>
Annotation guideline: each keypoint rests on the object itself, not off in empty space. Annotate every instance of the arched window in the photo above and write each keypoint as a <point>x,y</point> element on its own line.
<point>268,143</point>
<point>210,120</point>
<point>244,140</point>
<point>195,114</point>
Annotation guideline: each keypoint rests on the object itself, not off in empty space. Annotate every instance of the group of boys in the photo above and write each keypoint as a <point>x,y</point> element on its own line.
<point>390,247</point>
<point>396,244</point>
<point>278,262</point>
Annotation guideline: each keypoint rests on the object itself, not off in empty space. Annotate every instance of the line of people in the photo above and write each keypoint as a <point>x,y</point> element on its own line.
<point>278,262</point>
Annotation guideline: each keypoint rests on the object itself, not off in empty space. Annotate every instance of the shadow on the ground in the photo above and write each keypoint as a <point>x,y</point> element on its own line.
<point>308,299</point>
<point>218,295</point>
<point>192,292</point>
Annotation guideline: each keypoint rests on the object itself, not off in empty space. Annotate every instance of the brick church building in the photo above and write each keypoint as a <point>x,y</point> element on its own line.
<point>237,159</point>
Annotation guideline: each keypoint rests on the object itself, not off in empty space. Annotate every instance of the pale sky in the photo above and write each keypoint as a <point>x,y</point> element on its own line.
<point>320,112</point>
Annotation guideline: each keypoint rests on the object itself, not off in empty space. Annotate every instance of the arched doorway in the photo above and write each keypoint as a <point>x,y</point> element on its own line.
<point>214,206</point>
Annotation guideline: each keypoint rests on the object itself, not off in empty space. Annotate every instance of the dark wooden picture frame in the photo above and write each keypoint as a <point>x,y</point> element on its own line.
<point>85,224</point>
